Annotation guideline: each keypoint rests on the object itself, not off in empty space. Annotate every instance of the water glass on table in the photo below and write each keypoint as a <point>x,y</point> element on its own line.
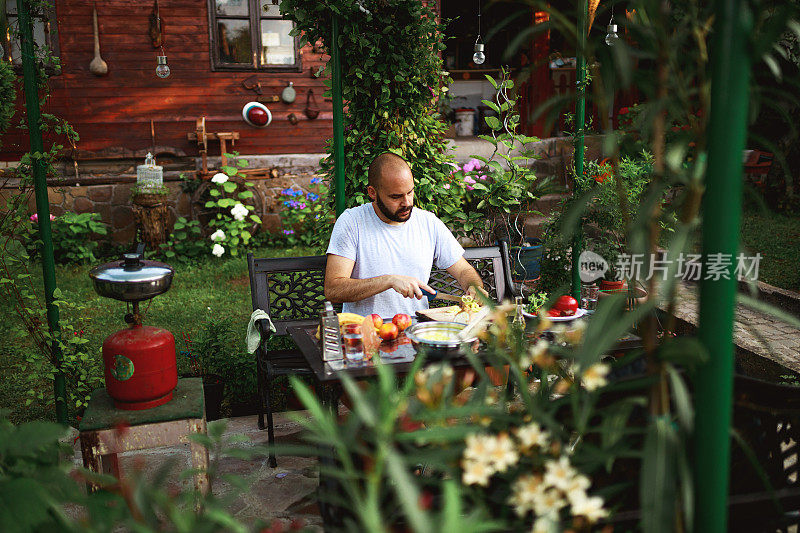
<point>353,346</point>
<point>589,297</point>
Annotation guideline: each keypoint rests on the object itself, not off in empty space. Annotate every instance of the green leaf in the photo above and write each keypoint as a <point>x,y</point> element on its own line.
<point>214,192</point>
<point>657,486</point>
<point>229,186</point>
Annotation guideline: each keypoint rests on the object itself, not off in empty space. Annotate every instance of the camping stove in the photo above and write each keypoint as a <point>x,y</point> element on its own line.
<point>140,366</point>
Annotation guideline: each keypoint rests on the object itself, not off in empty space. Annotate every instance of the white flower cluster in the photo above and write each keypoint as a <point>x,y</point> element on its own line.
<point>486,455</point>
<point>219,178</point>
<point>239,211</point>
<point>546,493</point>
<point>593,377</point>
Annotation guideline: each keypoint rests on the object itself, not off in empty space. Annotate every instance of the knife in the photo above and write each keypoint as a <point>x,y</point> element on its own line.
<point>441,296</point>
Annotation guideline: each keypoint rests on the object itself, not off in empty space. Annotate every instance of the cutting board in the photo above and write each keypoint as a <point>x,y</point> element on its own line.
<point>439,314</point>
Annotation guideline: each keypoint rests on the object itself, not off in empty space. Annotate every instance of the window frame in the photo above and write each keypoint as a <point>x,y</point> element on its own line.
<point>50,22</point>
<point>254,20</point>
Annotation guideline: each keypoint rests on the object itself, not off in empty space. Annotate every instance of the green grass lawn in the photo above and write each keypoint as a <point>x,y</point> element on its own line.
<point>777,238</point>
<point>201,294</point>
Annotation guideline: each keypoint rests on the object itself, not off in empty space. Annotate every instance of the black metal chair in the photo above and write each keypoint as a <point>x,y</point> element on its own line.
<point>291,291</point>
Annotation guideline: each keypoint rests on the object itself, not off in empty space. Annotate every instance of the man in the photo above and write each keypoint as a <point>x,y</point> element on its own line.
<point>380,254</point>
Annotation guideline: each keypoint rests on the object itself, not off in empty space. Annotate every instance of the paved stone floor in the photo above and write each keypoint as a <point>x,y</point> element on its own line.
<point>285,493</point>
<point>754,331</point>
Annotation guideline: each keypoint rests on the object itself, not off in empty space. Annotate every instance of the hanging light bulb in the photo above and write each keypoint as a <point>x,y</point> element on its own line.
<point>611,32</point>
<point>162,70</point>
<point>479,57</point>
<point>612,37</point>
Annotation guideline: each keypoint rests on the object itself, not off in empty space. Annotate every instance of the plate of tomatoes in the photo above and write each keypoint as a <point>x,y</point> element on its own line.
<point>564,309</point>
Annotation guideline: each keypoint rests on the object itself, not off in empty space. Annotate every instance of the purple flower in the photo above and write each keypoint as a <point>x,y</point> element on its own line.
<point>312,197</point>
<point>287,203</point>
<point>302,206</point>
<point>288,231</point>
<point>315,180</point>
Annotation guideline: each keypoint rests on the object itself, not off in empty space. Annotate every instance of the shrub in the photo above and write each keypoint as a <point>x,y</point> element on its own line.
<point>303,212</point>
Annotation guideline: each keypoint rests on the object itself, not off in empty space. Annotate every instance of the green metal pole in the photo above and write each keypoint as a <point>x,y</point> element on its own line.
<point>42,202</point>
<point>730,78</point>
<point>580,119</point>
<point>338,118</point>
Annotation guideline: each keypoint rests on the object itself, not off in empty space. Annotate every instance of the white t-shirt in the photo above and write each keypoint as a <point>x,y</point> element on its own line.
<point>378,248</point>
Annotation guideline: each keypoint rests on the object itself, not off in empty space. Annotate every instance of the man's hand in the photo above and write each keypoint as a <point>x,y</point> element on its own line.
<point>408,286</point>
<point>473,291</point>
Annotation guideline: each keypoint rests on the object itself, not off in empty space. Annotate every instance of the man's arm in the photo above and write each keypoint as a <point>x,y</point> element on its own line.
<point>467,277</point>
<point>341,287</point>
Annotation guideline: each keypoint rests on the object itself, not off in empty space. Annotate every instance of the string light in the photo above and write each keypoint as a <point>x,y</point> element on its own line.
<point>479,57</point>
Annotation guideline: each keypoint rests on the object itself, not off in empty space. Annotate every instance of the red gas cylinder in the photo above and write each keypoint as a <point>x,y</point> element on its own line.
<point>140,367</point>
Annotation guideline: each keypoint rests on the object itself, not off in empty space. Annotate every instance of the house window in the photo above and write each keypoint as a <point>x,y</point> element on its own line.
<point>251,35</point>
<point>45,32</point>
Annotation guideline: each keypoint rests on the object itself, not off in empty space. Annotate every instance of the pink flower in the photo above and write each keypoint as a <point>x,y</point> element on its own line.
<point>35,217</point>
<point>469,167</point>
<point>476,163</point>
<point>469,180</point>
<point>470,187</point>
<point>446,185</point>
<point>482,177</point>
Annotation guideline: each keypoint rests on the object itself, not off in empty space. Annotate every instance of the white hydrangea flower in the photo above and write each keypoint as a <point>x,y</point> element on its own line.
<point>544,524</point>
<point>548,501</point>
<point>218,235</point>
<point>239,211</point>
<point>218,250</point>
<point>219,178</point>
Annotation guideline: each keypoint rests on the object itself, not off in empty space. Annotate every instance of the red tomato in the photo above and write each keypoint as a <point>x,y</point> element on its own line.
<point>553,312</point>
<point>567,305</point>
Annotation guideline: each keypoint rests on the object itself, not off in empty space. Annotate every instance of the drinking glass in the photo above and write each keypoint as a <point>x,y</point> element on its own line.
<point>353,347</point>
<point>589,297</point>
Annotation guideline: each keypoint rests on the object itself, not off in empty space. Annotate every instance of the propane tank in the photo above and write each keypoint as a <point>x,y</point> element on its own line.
<point>140,366</point>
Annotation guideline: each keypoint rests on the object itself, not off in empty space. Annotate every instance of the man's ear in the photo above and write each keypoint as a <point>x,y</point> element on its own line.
<point>371,192</point>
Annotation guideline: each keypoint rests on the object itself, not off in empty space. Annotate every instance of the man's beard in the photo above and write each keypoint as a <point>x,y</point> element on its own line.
<point>401,215</point>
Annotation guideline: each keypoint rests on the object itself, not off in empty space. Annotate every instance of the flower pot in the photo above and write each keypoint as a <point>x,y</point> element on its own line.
<point>527,262</point>
<point>610,287</point>
<point>213,392</point>
<point>640,293</point>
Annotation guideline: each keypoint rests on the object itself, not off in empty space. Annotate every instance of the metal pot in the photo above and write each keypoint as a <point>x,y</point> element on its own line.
<point>439,340</point>
<point>133,279</point>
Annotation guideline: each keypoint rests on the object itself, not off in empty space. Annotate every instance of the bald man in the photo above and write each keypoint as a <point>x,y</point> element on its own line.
<point>381,254</point>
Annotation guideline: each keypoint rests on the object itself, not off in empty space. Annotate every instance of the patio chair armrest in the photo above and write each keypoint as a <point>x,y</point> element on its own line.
<point>263,327</point>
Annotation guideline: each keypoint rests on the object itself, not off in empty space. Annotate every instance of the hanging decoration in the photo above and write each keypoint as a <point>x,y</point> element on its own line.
<point>479,57</point>
<point>288,94</point>
<point>156,26</point>
<point>612,36</point>
<point>162,69</point>
<point>157,37</point>
<point>256,114</point>
<point>97,66</point>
